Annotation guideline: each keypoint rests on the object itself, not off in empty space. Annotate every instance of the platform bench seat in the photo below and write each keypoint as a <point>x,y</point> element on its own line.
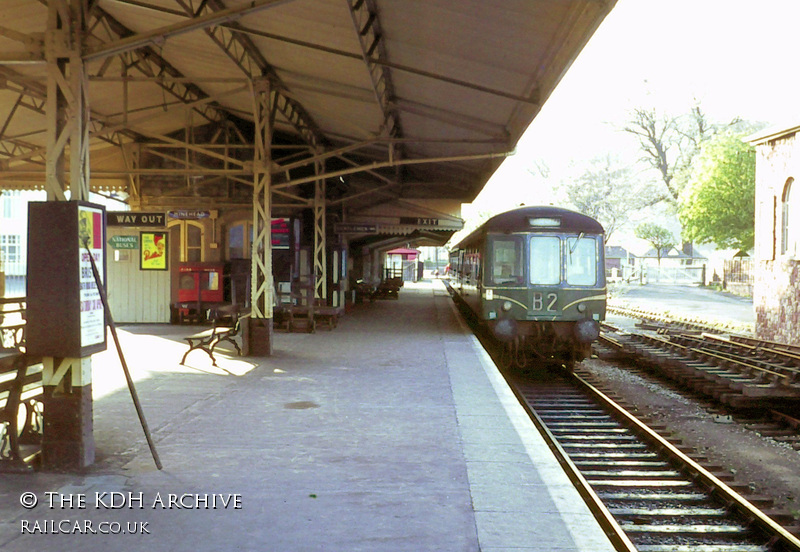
<point>209,339</point>
<point>295,318</point>
<point>388,289</point>
<point>328,315</point>
<point>20,410</point>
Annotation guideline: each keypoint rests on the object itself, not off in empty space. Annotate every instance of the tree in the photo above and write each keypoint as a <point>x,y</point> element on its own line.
<point>659,237</point>
<point>718,203</point>
<point>670,144</point>
<point>656,135</point>
<point>608,192</point>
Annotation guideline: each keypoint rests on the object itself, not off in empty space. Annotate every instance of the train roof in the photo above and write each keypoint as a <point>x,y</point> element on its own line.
<point>549,218</point>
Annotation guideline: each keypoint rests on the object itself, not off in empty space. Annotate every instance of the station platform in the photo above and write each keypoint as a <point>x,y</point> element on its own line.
<point>393,432</point>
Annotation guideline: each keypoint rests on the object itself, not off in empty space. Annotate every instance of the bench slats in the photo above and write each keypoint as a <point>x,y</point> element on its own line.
<point>20,388</point>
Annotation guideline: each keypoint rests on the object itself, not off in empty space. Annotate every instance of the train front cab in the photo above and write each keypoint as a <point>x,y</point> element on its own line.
<point>545,292</point>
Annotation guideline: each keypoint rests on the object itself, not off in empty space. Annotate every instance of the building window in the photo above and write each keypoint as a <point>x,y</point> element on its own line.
<point>240,240</point>
<point>790,220</point>
<point>10,249</point>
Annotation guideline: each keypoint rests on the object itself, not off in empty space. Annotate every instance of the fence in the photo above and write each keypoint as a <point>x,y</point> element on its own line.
<point>676,274</point>
<point>737,276</point>
<point>688,275</point>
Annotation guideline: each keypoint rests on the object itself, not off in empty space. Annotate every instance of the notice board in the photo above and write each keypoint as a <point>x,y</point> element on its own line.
<point>65,315</point>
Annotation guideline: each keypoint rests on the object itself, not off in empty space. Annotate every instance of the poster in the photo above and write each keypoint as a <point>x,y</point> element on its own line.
<point>91,242</point>
<point>153,252</point>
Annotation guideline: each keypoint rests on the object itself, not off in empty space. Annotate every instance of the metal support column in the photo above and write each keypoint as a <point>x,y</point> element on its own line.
<point>261,283</point>
<point>68,439</point>
<point>320,249</point>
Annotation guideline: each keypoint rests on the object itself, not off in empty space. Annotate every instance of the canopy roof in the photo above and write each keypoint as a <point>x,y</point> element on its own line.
<point>391,99</point>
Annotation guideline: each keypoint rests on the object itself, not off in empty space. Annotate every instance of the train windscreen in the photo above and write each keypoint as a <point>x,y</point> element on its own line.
<point>581,261</point>
<point>506,261</point>
<point>545,260</point>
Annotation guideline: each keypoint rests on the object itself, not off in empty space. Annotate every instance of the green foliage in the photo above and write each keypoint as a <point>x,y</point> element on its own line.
<point>718,204</point>
<point>657,236</point>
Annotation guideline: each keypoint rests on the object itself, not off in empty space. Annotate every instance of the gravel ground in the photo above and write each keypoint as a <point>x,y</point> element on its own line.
<point>769,468</point>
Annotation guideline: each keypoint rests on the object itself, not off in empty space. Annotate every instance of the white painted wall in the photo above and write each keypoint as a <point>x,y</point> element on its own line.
<point>135,295</point>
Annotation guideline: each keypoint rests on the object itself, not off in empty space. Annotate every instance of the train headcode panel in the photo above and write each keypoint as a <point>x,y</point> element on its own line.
<point>65,315</point>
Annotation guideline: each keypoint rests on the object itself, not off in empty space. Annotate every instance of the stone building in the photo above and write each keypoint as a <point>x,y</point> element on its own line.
<point>776,288</point>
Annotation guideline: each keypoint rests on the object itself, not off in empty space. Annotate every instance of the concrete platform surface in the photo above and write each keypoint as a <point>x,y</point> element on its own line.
<point>391,433</point>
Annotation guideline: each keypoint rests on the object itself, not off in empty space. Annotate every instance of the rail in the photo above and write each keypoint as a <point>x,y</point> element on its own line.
<point>656,494</point>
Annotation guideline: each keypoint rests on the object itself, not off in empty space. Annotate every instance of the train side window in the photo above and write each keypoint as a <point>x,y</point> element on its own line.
<point>506,261</point>
<point>581,261</point>
<point>545,260</point>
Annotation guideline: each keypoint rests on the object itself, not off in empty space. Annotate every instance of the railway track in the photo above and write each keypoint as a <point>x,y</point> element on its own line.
<point>736,371</point>
<point>647,494</point>
<point>659,497</point>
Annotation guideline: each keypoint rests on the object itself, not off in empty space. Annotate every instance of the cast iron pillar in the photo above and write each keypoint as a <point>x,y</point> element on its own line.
<point>320,247</point>
<point>68,439</point>
<point>261,285</point>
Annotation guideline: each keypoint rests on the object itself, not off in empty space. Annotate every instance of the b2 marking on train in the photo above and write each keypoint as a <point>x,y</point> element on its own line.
<point>539,301</point>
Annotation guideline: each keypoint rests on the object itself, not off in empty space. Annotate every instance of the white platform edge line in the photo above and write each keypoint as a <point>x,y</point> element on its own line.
<point>584,530</point>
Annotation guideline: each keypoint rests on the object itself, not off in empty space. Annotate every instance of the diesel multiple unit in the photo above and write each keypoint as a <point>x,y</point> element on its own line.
<point>536,277</point>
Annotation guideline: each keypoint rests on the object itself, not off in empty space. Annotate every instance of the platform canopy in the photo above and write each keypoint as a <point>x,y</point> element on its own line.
<point>391,101</point>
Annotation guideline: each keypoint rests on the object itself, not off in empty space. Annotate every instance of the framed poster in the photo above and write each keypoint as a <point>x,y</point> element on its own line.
<point>153,251</point>
<point>65,314</point>
<point>91,238</point>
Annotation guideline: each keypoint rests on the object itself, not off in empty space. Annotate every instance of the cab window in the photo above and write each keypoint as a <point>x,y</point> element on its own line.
<point>581,261</point>
<point>545,260</point>
<point>505,256</point>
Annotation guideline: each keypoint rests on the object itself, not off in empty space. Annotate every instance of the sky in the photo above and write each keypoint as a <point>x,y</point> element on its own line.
<point>739,58</point>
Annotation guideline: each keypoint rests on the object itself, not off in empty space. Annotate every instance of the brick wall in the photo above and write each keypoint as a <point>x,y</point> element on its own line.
<point>777,300</point>
<point>776,286</point>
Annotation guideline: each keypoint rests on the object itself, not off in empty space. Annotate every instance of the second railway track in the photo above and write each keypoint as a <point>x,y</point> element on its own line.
<point>662,499</point>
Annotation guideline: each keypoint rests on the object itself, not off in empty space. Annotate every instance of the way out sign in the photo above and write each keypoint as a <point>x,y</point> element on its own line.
<point>124,242</point>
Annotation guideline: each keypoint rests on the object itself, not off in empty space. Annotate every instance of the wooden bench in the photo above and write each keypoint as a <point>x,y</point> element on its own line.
<point>20,402</point>
<point>388,289</point>
<point>209,339</point>
<point>296,309</point>
<point>328,315</point>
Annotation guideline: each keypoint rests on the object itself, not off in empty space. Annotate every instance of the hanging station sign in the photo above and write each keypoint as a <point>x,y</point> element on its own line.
<point>355,228</point>
<point>189,214</point>
<point>151,219</point>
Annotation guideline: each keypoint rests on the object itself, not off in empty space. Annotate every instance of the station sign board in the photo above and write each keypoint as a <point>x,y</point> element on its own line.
<point>420,221</point>
<point>433,222</point>
<point>124,242</point>
<point>189,214</point>
<point>355,228</point>
<point>147,219</point>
